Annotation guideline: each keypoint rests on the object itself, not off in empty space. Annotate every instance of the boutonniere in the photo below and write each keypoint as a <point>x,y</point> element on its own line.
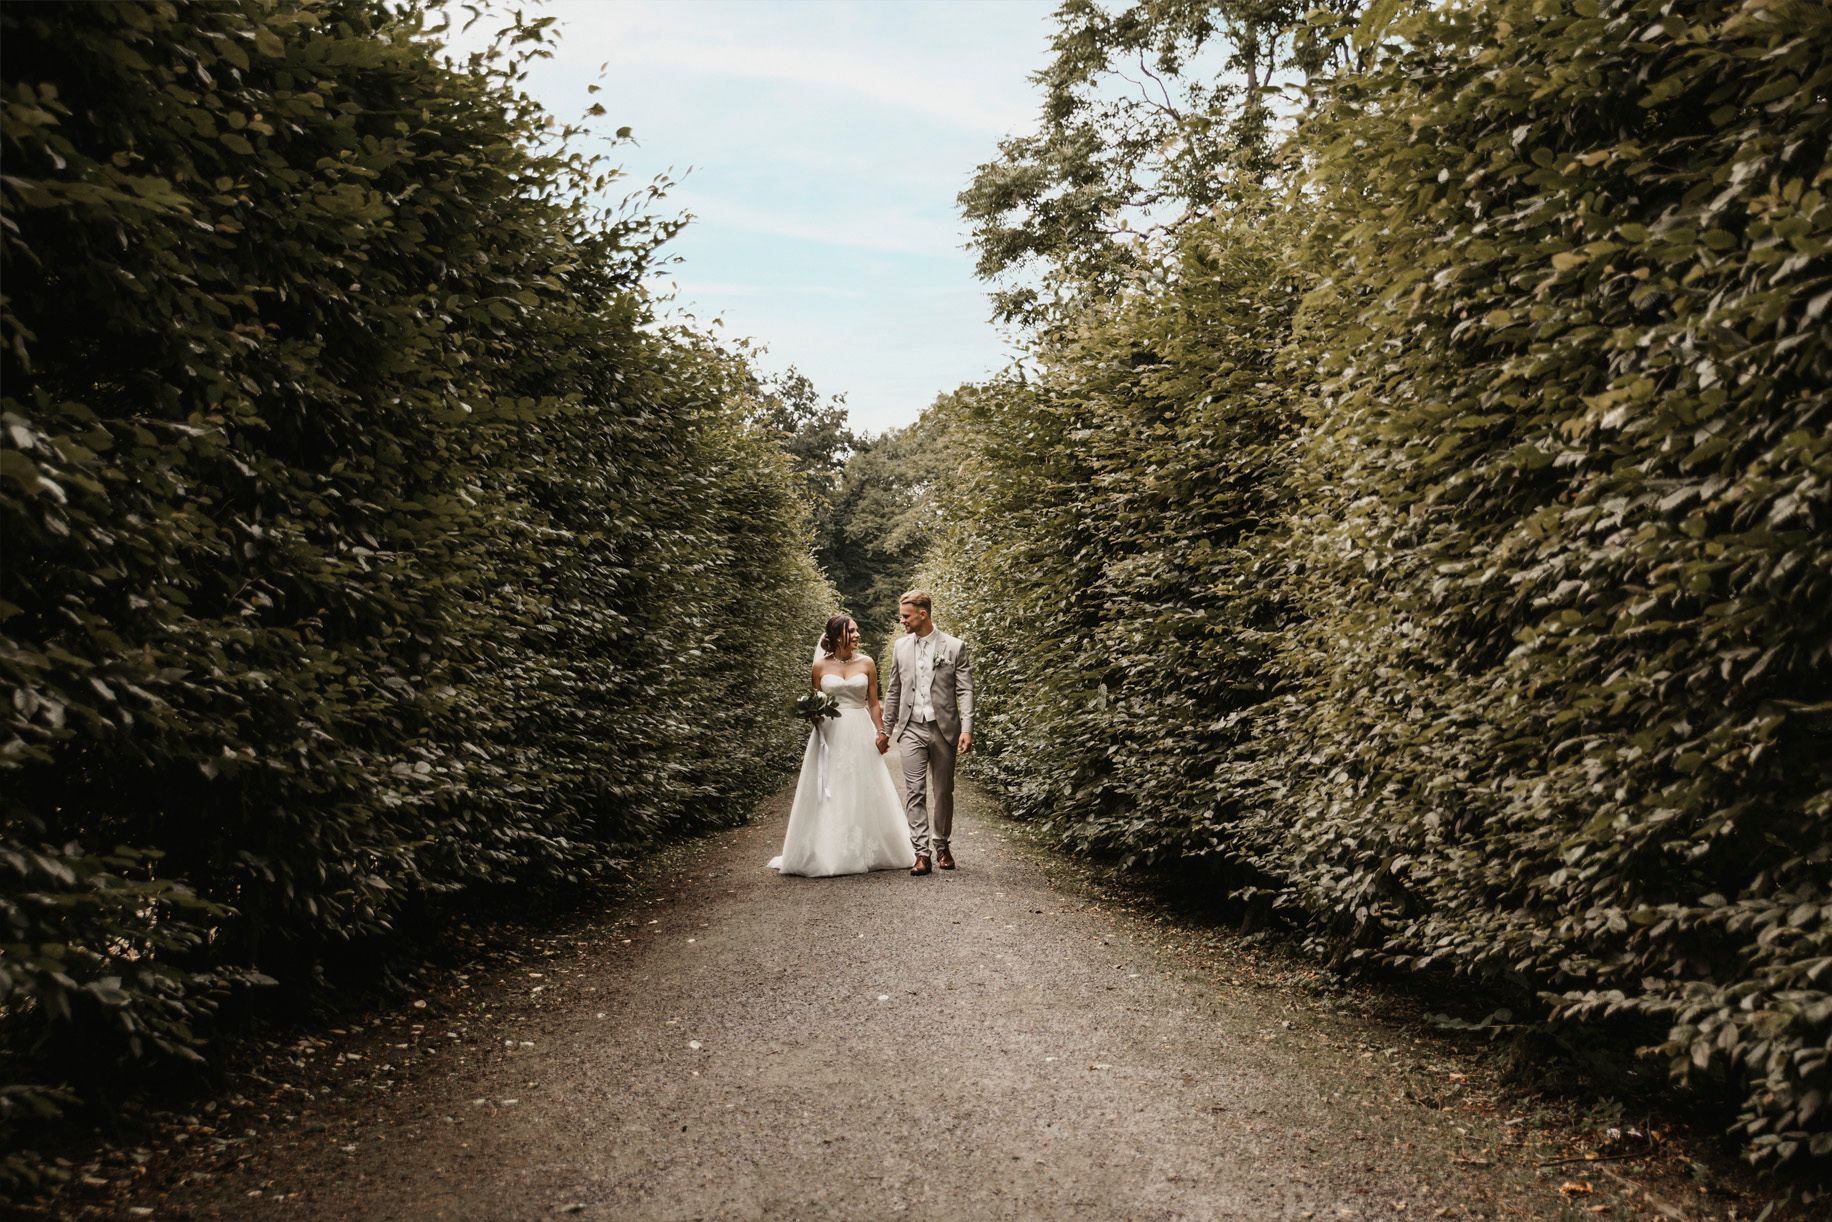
<point>940,662</point>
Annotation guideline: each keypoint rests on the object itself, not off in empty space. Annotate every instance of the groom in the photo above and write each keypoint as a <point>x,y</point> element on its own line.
<point>928,706</point>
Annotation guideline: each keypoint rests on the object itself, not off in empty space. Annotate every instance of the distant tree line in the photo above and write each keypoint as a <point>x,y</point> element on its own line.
<point>875,501</point>
<point>1416,520</point>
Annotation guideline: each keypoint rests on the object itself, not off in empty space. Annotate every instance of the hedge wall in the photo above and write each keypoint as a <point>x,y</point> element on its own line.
<point>365,541</point>
<point>1120,573</point>
<point>1459,573</point>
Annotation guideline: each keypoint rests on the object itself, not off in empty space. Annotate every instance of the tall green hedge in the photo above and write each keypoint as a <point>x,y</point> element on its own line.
<point>1121,573</point>
<point>366,543</point>
<point>1581,275</point>
<point>1459,572</point>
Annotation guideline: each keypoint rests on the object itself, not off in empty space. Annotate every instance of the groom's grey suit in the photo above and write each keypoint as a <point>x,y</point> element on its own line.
<point>927,732</point>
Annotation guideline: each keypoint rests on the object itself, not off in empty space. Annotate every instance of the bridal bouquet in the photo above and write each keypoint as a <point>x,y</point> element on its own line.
<point>814,707</point>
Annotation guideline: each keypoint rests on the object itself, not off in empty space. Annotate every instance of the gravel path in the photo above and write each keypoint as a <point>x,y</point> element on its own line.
<point>994,1042</point>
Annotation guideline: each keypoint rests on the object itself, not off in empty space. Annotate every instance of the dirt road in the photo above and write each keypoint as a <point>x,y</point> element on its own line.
<point>995,1042</point>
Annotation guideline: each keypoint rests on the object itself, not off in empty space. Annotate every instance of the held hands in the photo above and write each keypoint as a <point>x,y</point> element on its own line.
<point>963,745</point>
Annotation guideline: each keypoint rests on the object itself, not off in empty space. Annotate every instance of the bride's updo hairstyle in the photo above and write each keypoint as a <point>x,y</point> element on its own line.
<point>835,634</point>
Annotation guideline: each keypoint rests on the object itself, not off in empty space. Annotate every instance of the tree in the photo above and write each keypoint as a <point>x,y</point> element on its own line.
<point>1152,117</point>
<point>888,514</point>
<point>815,436</point>
<point>813,433</point>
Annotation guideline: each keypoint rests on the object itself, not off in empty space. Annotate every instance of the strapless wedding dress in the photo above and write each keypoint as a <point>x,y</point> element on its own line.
<point>847,818</point>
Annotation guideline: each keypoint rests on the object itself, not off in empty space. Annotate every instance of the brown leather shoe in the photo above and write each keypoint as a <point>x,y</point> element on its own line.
<point>922,864</point>
<point>944,859</point>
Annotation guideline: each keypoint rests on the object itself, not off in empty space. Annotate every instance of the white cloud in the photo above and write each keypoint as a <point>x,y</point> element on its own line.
<point>689,287</point>
<point>709,39</point>
<point>886,82</point>
<point>890,232</point>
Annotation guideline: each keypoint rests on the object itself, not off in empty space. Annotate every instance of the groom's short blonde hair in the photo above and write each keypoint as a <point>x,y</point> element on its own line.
<point>917,598</point>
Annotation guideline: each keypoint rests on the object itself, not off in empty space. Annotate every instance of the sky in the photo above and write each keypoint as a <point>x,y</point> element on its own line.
<point>819,146</point>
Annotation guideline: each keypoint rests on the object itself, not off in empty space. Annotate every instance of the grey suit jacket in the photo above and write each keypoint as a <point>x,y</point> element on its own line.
<point>950,695</point>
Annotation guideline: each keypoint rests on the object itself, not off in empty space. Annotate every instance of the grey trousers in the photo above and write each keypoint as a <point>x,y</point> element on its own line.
<point>925,750</point>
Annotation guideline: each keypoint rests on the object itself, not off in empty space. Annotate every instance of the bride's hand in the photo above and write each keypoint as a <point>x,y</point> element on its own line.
<point>884,742</point>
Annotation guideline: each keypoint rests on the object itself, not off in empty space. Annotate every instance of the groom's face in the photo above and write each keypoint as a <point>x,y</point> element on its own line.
<point>915,619</point>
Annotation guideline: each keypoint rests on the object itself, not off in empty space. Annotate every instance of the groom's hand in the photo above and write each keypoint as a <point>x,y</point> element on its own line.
<point>966,743</point>
<point>884,742</point>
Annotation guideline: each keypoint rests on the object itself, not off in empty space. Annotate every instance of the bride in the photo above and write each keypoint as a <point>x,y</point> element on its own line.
<point>846,818</point>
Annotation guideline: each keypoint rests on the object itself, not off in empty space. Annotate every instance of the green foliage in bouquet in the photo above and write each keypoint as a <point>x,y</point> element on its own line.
<point>367,543</point>
<point>815,707</point>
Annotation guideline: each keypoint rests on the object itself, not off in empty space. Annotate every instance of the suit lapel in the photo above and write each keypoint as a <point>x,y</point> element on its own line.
<point>941,651</point>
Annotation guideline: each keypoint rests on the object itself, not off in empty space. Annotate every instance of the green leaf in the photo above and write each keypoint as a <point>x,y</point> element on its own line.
<point>1375,19</point>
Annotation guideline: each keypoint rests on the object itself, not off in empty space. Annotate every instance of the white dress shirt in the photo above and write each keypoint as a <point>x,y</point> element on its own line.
<point>921,703</point>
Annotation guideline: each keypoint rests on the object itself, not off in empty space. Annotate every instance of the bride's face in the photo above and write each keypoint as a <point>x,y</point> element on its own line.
<point>852,637</point>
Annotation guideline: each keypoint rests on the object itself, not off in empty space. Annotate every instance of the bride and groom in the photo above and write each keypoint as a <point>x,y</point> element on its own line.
<point>846,818</point>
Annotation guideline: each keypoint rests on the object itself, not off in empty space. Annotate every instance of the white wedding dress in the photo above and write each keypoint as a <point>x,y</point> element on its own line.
<point>847,818</point>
